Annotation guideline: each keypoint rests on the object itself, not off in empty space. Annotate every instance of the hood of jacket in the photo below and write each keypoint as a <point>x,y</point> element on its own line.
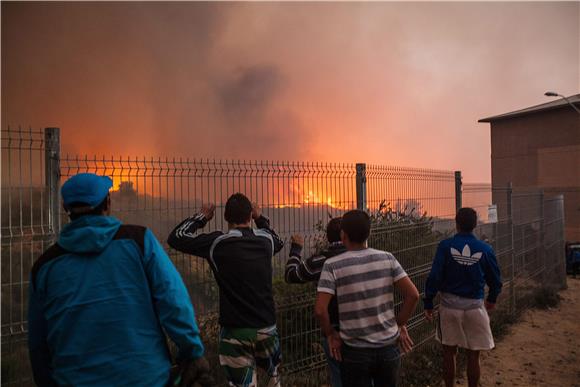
<point>89,234</point>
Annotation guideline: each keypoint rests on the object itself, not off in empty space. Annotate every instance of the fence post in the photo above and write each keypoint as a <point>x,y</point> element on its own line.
<point>545,278</point>
<point>562,228</point>
<point>361,186</point>
<point>458,193</point>
<point>512,301</point>
<point>52,176</point>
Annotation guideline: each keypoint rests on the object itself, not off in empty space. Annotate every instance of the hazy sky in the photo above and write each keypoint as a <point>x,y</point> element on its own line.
<point>389,83</point>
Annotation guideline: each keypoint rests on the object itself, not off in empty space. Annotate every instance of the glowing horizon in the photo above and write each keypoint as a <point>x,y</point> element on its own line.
<point>236,81</point>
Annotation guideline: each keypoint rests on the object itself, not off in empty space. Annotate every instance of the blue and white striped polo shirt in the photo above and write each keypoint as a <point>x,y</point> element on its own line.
<point>363,281</point>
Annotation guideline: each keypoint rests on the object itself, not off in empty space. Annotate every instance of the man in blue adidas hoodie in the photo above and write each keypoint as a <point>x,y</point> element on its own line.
<point>100,299</point>
<point>463,265</point>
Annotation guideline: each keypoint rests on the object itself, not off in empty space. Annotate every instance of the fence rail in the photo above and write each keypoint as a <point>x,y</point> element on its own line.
<point>412,210</point>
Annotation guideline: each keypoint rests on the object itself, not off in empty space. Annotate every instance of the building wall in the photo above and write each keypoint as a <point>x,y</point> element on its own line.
<point>541,150</point>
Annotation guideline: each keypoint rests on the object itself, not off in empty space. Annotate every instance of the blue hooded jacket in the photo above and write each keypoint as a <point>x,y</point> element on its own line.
<point>99,302</point>
<point>462,266</point>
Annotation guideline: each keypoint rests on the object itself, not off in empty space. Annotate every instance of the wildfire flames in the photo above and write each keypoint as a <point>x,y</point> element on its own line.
<point>292,197</point>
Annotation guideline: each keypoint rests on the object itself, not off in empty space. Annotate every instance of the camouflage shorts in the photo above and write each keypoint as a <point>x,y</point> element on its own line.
<point>241,350</point>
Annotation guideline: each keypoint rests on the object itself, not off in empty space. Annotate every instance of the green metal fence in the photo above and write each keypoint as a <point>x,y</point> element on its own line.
<point>412,210</point>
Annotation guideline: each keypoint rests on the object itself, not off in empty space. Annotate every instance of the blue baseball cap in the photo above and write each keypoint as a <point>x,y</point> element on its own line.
<point>86,188</point>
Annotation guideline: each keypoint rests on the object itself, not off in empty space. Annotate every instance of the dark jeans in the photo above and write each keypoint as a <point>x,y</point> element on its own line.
<point>366,367</point>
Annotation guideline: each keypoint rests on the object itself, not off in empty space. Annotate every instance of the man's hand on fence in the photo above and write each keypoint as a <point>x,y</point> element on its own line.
<point>193,372</point>
<point>297,239</point>
<point>429,314</point>
<point>335,345</point>
<point>405,341</point>
<point>489,306</point>
<point>208,210</point>
<point>256,211</point>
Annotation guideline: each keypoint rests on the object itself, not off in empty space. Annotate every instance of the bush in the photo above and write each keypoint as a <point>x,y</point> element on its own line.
<point>546,298</point>
<point>501,321</point>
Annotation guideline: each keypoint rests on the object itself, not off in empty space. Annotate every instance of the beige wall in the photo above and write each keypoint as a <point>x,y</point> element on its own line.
<point>541,150</point>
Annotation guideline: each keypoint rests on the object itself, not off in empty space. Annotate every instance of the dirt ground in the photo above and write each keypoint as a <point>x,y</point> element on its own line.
<point>541,350</point>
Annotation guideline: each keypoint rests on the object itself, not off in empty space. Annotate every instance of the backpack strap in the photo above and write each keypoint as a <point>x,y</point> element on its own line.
<point>136,233</point>
<point>53,252</point>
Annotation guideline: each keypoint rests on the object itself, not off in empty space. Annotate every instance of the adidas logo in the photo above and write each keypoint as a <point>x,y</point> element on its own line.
<point>465,257</point>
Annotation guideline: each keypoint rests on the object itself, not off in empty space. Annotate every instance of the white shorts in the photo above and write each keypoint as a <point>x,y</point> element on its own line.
<point>468,329</point>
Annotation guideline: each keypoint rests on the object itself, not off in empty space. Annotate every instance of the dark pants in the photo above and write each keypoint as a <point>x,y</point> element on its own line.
<point>366,367</point>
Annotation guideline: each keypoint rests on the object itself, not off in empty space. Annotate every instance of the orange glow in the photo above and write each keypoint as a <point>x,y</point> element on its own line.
<point>300,196</point>
<point>117,180</point>
<point>317,198</point>
<point>312,198</point>
<point>155,97</point>
<point>121,183</point>
<point>318,191</point>
<point>297,194</point>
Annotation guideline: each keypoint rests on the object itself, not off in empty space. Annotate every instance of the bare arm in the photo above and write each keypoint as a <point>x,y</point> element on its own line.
<point>410,299</point>
<point>410,296</point>
<point>321,313</point>
<point>327,290</point>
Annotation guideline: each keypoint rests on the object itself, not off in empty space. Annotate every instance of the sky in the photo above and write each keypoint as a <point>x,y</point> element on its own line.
<point>383,83</point>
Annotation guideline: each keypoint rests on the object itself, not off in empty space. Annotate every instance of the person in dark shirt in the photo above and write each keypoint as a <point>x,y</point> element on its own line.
<point>299,271</point>
<point>241,261</point>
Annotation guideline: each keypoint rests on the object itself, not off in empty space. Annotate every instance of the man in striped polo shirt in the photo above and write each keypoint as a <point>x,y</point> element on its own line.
<point>363,281</point>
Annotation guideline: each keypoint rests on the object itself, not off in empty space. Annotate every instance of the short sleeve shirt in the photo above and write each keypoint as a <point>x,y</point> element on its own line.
<point>362,282</point>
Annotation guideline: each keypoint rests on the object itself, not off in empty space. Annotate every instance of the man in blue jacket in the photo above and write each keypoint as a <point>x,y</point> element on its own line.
<point>100,299</point>
<point>462,266</point>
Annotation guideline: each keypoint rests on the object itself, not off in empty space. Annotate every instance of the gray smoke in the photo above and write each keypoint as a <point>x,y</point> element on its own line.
<point>391,83</point>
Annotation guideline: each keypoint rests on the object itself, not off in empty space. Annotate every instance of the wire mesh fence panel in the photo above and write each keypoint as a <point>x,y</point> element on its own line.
<point>554,243</point>
<point>479,197</point>
<point>528,239</point>
<point>26,232</point>
<point>527,207</point>
<point>297,197</point>
<point>412,210</point>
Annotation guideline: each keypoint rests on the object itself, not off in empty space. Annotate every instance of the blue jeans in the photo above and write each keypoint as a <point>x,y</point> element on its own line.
<point>333,365</point>
<point>366,367</point>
